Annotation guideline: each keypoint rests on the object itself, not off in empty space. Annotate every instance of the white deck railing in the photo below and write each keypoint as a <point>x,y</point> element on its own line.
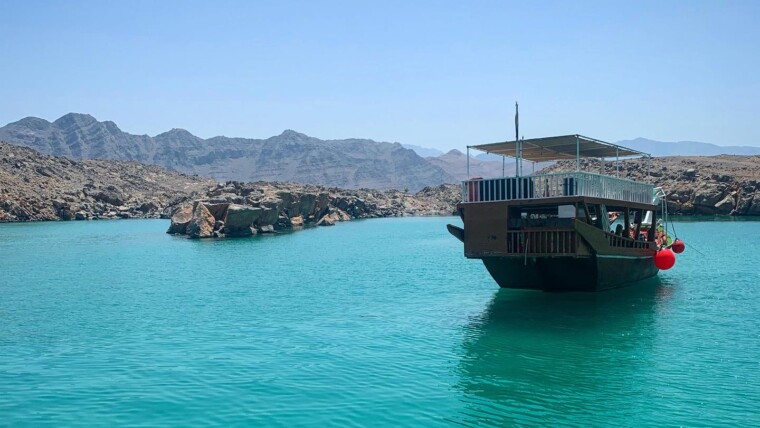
<point>540,186</point>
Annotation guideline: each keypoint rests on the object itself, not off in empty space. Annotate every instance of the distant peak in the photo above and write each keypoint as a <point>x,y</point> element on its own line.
<point>111,125</point>
<point>455,152</point>
<point>177,133</point>
<point>32,122</point>
<point>75,118</point>
<point>292,133</point>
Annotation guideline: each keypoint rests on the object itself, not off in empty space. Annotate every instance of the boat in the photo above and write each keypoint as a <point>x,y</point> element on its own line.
<point>563,231</point>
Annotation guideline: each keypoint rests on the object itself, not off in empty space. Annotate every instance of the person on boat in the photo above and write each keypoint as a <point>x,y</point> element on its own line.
<point>619,230</point>
<point>660,238</point>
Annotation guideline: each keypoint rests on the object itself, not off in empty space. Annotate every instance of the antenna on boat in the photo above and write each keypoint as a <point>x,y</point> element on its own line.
<point>517,140</point>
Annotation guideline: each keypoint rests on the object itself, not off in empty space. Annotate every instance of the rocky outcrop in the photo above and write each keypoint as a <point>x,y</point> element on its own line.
<point>695,185</point>
<point>235,209</point>
<point>241,220</point>
<point>203,222</point>
<point>35,187</point>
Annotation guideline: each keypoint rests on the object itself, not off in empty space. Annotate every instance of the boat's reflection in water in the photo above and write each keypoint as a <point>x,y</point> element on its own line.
<point>540,358</point>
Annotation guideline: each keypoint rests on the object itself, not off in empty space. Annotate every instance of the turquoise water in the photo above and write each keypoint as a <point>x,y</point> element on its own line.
<point>377,322</point>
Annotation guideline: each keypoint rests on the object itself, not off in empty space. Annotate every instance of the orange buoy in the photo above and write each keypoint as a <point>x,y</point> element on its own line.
<point>664,259</point>
<point>678,246</point>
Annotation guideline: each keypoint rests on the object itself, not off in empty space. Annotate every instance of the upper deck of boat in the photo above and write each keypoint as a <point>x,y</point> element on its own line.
<point>562,185</point>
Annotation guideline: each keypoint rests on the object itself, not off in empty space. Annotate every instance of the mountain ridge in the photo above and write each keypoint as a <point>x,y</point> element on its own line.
<point>289,156</point>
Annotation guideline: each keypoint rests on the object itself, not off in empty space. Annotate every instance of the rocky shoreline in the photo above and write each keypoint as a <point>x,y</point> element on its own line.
<point>36,187</point>
<point>236,209</point>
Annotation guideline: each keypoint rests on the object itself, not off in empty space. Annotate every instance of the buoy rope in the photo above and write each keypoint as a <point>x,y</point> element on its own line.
<point>672,224</point>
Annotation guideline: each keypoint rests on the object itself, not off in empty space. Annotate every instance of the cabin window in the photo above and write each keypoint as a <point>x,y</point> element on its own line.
<point>543,216</point>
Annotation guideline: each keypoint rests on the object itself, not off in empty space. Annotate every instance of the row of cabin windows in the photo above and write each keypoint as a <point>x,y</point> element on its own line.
<point>597,215</point>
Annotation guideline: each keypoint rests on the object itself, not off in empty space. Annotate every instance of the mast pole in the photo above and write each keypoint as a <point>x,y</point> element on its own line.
<point>517,141</point>
<point>468,162</point>
<point>577,153</point>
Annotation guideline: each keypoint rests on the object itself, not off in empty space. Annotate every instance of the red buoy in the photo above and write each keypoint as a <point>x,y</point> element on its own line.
<point>664,259</point>
<point>678,246</point>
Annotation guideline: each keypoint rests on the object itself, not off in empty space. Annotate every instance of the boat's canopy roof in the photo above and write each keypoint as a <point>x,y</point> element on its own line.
<point>559,148</point>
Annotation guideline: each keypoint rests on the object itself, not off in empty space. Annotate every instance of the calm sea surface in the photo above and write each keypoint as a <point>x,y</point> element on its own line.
<point>377,322</point>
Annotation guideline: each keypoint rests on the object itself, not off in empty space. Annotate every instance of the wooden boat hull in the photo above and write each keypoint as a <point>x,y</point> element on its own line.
<point>558,254</point>
<point>561,274</point>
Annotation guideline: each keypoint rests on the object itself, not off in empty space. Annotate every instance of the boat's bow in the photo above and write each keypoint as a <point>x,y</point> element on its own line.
<point>458,232</point>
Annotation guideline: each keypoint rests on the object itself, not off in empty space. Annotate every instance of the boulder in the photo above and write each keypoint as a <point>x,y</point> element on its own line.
<point>240,218</point>
<point>304,205</point>
<point>744,205</point>
<point>110,195</point>
<point>707,197</point>
<point>754,207</point>
<point>217,210</point>
<point>326,220</point>
<point>726,205</point>
<point>66,213</point>
<point>202,223</point>
<point>267,229</point>
<point>80,215</point>
<point>269,215</point>
<point>283,222</point>
<point>296,221</point>
<point>148,207</point>
<point>180,220</point>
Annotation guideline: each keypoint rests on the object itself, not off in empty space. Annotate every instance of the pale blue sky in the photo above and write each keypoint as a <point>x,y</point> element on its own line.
<point>437,74</point>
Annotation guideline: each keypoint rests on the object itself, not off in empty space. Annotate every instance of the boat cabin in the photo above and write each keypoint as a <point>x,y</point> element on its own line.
<point>542,214</point>
<point>577,230</point>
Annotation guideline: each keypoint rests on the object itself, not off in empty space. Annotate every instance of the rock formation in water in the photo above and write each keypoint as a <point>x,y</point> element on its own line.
<point>245,209</point>
<point>37,187</point>
<point>695,185</point>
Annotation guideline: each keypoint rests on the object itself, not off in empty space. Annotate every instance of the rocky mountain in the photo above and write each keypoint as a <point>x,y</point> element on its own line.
<point>686,148</point>
<point>423,151</point>
<point>455,164</point>
<point>40,187</point>
<point>290,156</point>
<point>35,187</point>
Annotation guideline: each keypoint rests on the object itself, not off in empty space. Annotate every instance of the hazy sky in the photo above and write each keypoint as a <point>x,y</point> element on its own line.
<point>437,74</point>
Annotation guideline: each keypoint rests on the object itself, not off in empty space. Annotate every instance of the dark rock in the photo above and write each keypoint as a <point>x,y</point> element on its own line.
<point>218,210</point>
<point>111,195</point>
<point>726,206</point>
<point>240,218</point>
<point>148,207</point>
